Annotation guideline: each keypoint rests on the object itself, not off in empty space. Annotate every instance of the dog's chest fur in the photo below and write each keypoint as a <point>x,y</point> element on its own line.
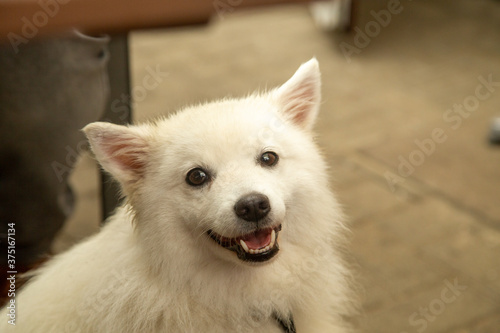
<point>129,298</point>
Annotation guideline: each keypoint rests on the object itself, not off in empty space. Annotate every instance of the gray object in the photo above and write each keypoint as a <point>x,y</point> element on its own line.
<point>332,14</point>
<point>48,91</point>
<point>495,131</point>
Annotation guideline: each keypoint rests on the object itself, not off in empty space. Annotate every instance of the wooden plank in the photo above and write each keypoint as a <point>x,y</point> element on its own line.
<point>28,19</point>
<point>34,18</point>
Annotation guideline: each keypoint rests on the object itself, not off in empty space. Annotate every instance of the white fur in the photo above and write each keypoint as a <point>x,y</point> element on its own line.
<point>152,268</point>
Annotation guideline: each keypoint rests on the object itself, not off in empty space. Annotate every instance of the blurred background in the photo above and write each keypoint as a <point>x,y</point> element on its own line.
<point>410,92</point>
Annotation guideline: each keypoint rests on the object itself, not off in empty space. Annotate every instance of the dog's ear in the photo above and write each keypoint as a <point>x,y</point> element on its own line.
<point>121,150</point>
<point>299,98</point>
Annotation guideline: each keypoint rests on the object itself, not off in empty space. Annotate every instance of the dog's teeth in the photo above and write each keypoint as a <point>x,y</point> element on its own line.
<point>244,246</point>
<point>267,248</point>
<point>273,238</point>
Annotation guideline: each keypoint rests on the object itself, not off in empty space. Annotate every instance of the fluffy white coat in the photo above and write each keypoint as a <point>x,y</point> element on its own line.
<point>152,268</point>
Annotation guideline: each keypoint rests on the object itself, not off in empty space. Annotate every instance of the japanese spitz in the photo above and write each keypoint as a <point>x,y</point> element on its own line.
<point>229,226</point>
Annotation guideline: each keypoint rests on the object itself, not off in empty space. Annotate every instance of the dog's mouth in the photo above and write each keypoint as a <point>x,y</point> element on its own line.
<point>258,246</point>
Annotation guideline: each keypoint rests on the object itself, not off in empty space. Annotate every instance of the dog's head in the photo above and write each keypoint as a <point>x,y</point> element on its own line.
<point>225,178</point>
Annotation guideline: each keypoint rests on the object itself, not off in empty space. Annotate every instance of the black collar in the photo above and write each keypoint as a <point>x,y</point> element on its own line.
<point>288,326</point>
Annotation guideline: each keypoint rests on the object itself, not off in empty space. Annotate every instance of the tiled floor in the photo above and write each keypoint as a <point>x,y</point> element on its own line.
<point>419,181</point>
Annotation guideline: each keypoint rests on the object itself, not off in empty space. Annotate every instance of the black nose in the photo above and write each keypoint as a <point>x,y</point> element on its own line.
<point>252,207</point>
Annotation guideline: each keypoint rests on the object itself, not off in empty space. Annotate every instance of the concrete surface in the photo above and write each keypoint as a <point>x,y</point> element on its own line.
<point>426,231</point>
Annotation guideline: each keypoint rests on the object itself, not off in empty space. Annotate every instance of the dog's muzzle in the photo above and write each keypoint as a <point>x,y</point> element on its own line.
<point>262,243</point>
<point>258,246</point>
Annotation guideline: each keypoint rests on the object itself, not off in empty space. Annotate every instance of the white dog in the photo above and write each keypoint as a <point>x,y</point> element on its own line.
<point>229,226</point>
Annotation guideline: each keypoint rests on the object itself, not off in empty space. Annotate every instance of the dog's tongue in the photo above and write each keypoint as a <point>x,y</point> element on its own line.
<point>258,239</point>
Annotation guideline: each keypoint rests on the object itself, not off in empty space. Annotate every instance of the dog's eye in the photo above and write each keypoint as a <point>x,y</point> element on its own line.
<point>269,159</point>
<point>197,177</point>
